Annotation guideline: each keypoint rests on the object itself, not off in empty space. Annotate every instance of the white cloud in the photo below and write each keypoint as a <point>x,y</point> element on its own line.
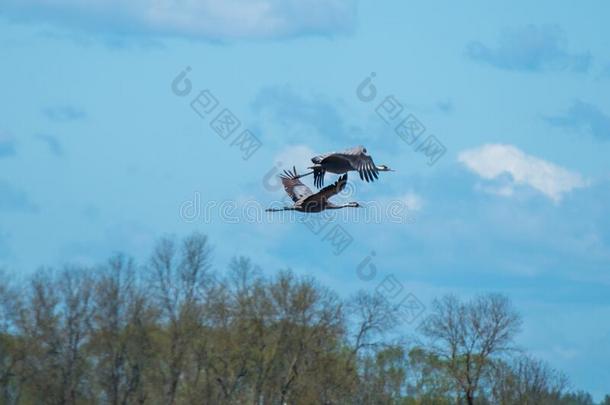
<point>296,155</point>
<point>495,161</point>
<point>210,19</point>
<point>413,201</point>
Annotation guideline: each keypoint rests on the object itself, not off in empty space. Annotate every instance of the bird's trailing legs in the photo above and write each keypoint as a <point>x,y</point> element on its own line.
<point>303,175</point>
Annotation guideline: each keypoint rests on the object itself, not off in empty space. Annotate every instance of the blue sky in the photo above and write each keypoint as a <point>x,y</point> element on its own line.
<point>97,154</point>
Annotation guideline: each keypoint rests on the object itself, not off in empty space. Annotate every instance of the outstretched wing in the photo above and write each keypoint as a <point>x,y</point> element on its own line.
<point>361,162</point>
<point>293,186</point>
<point>351,159</point>
<point>323,195</point>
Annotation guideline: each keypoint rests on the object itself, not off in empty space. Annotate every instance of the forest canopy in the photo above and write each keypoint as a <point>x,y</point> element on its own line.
<point>174,330</point>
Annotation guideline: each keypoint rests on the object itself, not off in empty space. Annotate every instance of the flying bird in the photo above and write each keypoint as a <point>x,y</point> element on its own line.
<point>355,159</point>
<point>307,201</point>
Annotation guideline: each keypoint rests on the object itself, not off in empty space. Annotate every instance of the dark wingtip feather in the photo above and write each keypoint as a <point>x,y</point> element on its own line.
<point>318,178</point>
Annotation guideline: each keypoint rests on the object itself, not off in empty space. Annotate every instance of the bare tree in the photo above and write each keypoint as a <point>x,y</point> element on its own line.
<point>467,335</point>
<point>12,352</point>
<point>525,381</point>
<point>371,316</point>
<point>310,320</point>
<point>224,353</point>
<point>178,278</point>
<point>121,343</point>
<point>55,325</point>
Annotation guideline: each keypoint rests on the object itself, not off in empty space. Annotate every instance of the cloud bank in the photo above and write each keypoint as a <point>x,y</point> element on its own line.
<point>289,108</point>
<point>531,48</point>
<point>206,19</point>
<point>583,117</point>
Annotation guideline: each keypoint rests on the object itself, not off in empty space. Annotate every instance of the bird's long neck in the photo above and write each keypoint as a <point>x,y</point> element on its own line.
<point>382,168</point>
<point>280,209</point>
<point>337,207</point>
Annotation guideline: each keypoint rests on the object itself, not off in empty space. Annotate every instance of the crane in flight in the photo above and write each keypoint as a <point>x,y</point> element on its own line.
<point>354,159</point>
<point>307,201</point>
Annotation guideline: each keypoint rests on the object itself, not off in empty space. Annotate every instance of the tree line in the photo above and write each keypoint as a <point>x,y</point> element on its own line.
<point>175,331</point>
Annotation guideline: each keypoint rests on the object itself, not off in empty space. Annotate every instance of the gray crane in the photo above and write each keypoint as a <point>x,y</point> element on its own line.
<point>305,200</point>
<point>355,159</point>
